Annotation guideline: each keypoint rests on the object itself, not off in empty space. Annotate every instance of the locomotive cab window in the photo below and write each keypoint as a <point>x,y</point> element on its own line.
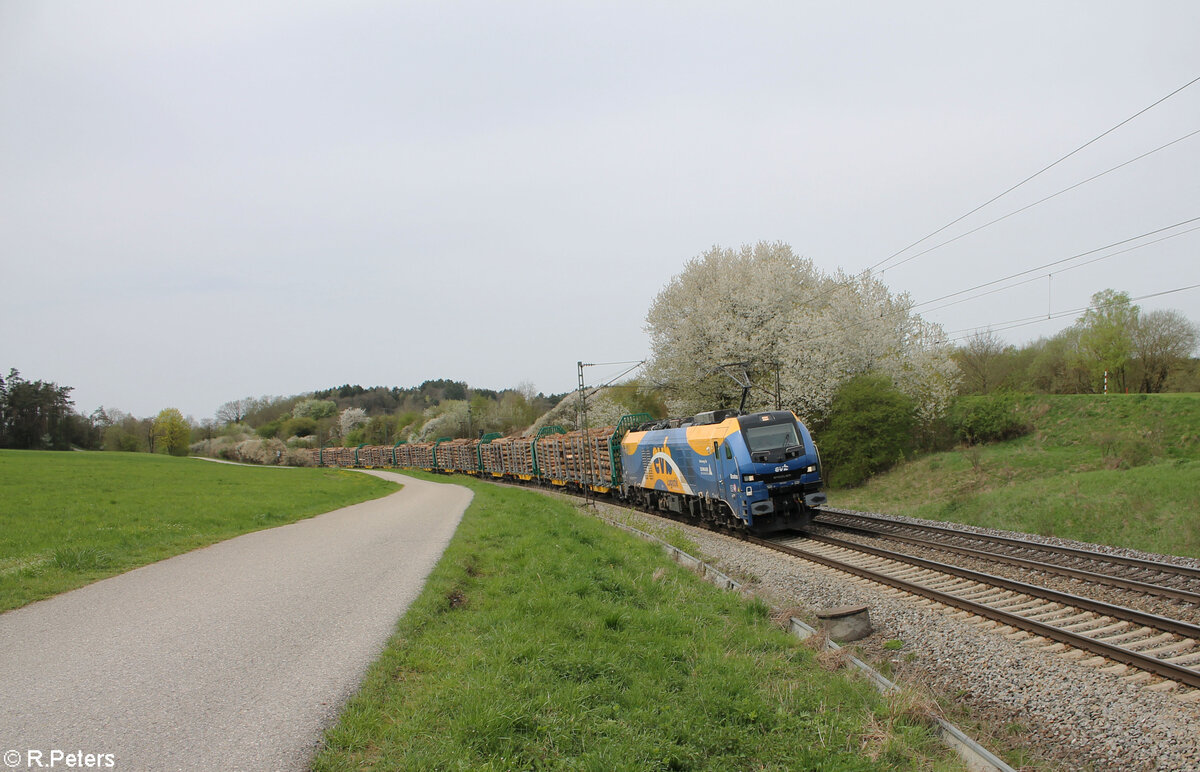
<point>728,452</point>
<point>773,443</point>
<point>771,437</point>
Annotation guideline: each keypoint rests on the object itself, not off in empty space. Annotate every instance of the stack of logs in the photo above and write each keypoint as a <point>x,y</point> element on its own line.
<point>575,457</point>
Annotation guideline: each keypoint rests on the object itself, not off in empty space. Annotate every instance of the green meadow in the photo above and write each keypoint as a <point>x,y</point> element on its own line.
<point>1120,469</point>
<point>68,519</point>
<point>545,639</point>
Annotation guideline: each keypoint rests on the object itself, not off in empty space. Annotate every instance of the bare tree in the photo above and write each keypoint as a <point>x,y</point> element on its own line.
<point>979,358</point>
<point>235,411</point>
<point>1162,340</point>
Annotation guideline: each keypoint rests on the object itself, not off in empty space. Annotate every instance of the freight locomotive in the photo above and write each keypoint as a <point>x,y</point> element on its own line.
<point>758,472</point>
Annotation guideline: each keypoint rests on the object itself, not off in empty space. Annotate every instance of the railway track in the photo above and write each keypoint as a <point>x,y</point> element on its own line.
<point>1165,580</point>
<point>1121,640</point>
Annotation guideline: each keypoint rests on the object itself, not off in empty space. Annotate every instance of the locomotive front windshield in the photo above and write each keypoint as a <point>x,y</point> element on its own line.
<point>771,437</point>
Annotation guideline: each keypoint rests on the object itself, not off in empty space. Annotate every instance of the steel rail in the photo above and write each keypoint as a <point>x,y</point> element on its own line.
<point>1104,557</point>
<point>1033,565</point>
<point>1166,624</point>
<point>1117,653</point>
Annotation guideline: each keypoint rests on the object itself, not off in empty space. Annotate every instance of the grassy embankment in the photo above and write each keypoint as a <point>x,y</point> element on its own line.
<point>1118,469</point>
<point>68,519</point>
<point>547,640</point>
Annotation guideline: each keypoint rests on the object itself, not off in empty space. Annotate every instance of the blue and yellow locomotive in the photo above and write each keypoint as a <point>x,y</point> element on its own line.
<point>759,471</point>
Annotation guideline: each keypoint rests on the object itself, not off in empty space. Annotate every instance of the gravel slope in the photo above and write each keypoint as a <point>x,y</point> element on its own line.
<point>236,656</point>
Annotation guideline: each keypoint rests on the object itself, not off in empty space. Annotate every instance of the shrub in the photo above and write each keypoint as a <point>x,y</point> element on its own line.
<point>868,429</point>
<point>270,429</point>
<point>261,451</point>
<point>298,457</point>
<point>993,418</point>
<point>299,427</point>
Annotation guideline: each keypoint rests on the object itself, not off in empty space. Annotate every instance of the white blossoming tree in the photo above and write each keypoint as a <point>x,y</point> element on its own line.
<point>350,418</point>
<point>766,305</point>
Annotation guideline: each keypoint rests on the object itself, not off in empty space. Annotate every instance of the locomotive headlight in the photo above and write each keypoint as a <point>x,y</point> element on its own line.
<point>748,477</point>
<point>812,468</point>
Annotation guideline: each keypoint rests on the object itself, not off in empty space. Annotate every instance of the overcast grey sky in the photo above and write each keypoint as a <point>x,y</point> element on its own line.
<point>203,201</point>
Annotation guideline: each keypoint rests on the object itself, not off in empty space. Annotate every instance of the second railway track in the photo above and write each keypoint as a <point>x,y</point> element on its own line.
<point>1153,577</point>
<point>1120,638</point>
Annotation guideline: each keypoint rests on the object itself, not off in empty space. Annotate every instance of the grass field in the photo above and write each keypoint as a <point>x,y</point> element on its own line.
<point>547,640</point>
<point>1118,469</point>
<point>68,519</point>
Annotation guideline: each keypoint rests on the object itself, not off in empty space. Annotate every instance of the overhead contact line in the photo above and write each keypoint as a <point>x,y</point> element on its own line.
<point>1034,175</point>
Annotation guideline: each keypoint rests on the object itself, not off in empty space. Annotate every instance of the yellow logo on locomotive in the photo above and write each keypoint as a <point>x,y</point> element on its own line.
<point>663,469</point>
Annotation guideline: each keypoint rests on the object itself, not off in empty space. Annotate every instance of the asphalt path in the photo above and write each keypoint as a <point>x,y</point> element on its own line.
<point>232,657</point>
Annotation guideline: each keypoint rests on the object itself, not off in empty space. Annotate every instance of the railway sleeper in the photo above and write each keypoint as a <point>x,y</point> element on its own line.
<point>1132,635</point>
<point>1140,677</point>
<point>1176,648</point>
<point>1147,643</point>
<point>1038,614</point>
<point>1064,614</point>
<point>1163,687</point>
<point>1187,660</point>
<point>1080,617</point>
<point>1099,631</point>
<point>1020,605</point>
<point>987,594</point>
<point>934,583</point>
<point>1073,655</point>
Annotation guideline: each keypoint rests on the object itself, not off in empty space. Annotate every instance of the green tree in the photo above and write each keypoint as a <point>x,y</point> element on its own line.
<point>315,408</point>
<point>1106,337</point>
<point>171,433</point>
<point>34,414</point>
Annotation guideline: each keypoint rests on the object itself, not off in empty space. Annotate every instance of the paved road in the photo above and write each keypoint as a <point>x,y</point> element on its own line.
<point>232,657</point>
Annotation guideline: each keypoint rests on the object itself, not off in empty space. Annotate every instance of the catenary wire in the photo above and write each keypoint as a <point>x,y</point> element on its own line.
<point>1025,321</point>
<point>1055,262</point>
<point>1039,277</point>
<point>1034,175</point>
<point>904,309</point>
<point>847,282</point>
<point>1040,201</point>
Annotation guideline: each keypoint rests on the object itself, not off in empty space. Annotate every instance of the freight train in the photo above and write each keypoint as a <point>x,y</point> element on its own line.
<point>758,472</point>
